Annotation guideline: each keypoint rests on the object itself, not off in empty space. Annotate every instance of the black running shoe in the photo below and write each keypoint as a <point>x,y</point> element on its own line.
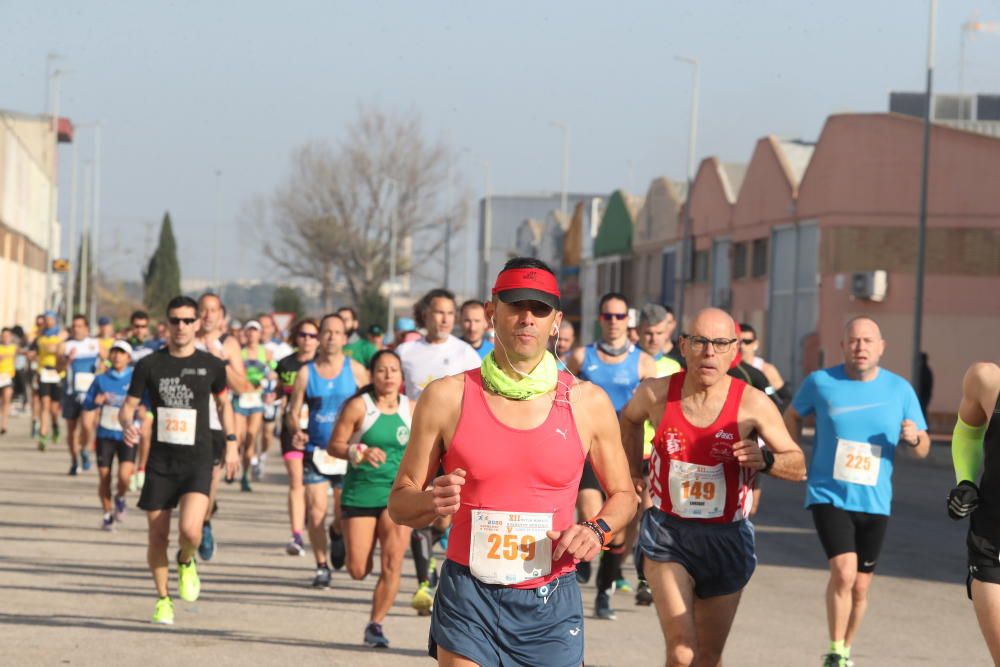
<point>322,578</point>
<point>338,553</point>
<point>583,572</point>
<point>643,594</point>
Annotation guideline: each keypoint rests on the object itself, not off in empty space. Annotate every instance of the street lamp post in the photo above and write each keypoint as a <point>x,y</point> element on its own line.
<point>71,243</point>
<point>686,236</point>
<point>918,306</point>
<point>96,221</point>
<point>563,203</point>
<point>487,228</point>
<point>53,199</point>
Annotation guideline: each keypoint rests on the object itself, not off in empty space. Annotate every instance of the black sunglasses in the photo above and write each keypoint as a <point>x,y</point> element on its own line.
<point>306,334</point>
<point>176,321</point>
<point>747,341</point>
<point>607,317</point>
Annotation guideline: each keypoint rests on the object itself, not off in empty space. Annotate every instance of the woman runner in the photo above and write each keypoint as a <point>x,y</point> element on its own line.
<point>305,335</point>
<point>377,422</point>
<point>249,407</point>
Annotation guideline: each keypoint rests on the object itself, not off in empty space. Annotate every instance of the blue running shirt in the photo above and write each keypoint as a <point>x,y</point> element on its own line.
<point>618,380</point>
<point>857,429</point>
<point>325,398</point>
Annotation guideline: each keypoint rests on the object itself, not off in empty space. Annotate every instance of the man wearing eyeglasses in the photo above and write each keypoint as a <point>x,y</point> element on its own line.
<point>617,367</point>
<point>697,539</point>
<point>864,414</point>
<point>179,380</point>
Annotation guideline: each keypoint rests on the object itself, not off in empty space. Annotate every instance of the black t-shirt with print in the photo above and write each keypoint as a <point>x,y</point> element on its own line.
<point>179,390</point>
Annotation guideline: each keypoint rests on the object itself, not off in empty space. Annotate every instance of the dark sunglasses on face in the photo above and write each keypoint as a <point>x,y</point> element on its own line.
<point>306,334</point>
<point>607,317</point>
<point>176,321</point>
<point>747,341</point>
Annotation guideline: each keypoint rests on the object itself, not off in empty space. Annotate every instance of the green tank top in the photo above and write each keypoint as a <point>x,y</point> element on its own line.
<point>364,485</point>
<point>256,368</point>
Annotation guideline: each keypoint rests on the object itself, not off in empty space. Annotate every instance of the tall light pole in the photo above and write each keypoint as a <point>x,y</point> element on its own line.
<point>918,306</point>
<point>487,229</point>
<point>71,243</point>
<point>391,188</point>
<point>96,203</point>
<point>563,204</point>
<point>86,249</point>
<point>53,198</point>
<point>686,234</point>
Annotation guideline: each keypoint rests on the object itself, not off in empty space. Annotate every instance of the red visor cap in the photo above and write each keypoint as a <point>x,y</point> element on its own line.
<point>515,285</point>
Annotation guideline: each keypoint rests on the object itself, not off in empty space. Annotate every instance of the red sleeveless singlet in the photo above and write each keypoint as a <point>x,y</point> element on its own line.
<point>693,473</point>
<point>509,469</point>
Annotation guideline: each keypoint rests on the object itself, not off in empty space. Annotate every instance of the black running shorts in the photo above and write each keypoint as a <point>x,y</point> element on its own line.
<point>984,552</point>
<point>166,483</point>
<point>108,449</point>
<point>843,532</point>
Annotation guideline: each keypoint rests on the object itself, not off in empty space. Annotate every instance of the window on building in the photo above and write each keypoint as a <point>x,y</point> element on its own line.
<point>759,268</point>
<point>700,266</point>
<point>739,261</point>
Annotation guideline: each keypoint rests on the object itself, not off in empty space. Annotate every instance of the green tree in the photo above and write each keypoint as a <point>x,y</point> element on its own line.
<point>372,306</point>
<point>287,300</point>
<point>162,277</point>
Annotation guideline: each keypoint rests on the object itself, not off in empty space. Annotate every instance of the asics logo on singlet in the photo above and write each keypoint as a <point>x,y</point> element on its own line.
<point>193,371</point>
<point>725,435</point>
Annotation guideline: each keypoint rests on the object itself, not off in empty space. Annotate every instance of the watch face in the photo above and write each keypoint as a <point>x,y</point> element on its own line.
<point>602,524</point>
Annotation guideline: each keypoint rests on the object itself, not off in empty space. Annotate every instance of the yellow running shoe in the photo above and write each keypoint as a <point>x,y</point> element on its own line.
<point>164,611</point>
<point>423,599</point>
<point>188,584</point>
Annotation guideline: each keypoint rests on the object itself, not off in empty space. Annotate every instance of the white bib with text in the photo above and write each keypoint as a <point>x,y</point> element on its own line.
<point>696,491</point>
<point>176,426</point>
<point>510,547</point>
<point>109,418</point>
<point>48,376</point>
<point>5,380</point>
<point>857,462</point>
<point>82,382</point>
<point>250,400</point>
<point>328,465</point>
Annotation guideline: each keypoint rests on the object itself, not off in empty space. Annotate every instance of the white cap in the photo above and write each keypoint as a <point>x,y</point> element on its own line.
<point>252,324</point>
<point>123,346</point>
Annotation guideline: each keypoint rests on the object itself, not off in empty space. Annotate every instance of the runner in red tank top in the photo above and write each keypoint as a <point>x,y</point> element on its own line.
<point>697,541</point>
<point>512,437</point>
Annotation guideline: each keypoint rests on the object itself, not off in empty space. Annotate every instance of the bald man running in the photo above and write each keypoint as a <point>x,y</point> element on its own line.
<point>864,414</point>
<point>696,539</point>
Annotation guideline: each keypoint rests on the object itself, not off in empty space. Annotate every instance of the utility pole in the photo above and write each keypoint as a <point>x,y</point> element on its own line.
<point>72,242</point>
<point>918,306</point>
<point>686,238</point>
<point>85,245</point>
<point>487,230</point>
<point>53,197</point>
<point>96,249</point>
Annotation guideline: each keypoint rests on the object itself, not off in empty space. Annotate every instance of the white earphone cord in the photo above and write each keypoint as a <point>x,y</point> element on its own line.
<point>558,381</point>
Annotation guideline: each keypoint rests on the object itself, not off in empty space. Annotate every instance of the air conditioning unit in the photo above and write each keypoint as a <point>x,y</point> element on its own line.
<point>869,285</point>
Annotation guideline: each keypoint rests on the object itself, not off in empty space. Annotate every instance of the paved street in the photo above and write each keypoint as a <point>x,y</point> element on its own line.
<point>75,595</point>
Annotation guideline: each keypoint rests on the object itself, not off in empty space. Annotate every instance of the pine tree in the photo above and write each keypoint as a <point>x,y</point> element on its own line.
<point>162,278</point>
<point>287,300</point>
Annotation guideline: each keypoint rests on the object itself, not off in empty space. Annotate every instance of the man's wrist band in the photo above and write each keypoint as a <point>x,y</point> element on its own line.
<point>597,531</point>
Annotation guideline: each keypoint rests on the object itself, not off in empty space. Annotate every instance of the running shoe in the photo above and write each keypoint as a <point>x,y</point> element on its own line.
<point>338,553</point>
<point>85,457</point>
<point>108,522</point>
<point>322,578</point>
<point>294,546</point>
<point>206,550</point>
<point>837,660</point>
<point>255,470</point>
<point>73,470</point>
<point>41,444</point>
<point>583,571</point>
<point>602,607</point>
<point>374,637</point>
<point>140,479</point>
<point>423,599</point>
<point>34,428</point>
<point>188,583</point>
<point>643,594</point>
<point>55,430</point>
<point>245,483</point>
<point>622,586</point>
<point>119,508</point>
<point>164,611</point>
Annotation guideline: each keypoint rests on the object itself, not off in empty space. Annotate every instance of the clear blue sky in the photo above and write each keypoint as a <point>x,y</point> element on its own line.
<point>185,88</point>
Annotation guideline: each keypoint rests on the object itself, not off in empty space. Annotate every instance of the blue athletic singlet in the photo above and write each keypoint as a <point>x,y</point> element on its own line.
<point>325,398</point>
<point>618,380</point>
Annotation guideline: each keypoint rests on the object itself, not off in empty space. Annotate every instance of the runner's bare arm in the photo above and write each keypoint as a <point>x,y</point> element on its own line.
<point>295,405</point>
<point>793,423</point>
<point>763,415</point>
<point>434,419</point>
<point>647,366</point>
<point>125,415</point>
<point>979,393</point>
<point>228,419</point>
<point>361,375</point>
<point>236,372</point>
<point>575,361</point>
<point>595,418</point>
<point>347,423</point>
<point>633,420</point>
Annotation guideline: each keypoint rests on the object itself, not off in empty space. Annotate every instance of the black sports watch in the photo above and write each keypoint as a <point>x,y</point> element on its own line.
<point>231,437</point>
<point>768,459</point>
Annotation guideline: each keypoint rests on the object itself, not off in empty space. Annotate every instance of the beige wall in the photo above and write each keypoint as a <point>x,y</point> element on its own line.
<point>657,226</point>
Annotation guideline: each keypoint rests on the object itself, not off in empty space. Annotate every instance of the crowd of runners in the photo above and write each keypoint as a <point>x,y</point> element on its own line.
<point>516,456</point>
